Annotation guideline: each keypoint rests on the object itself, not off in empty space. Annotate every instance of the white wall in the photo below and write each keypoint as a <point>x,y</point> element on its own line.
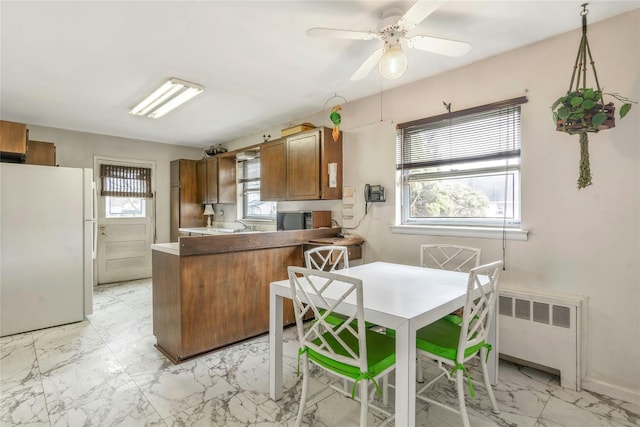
<point>78,149</point>
<point>584,242</point>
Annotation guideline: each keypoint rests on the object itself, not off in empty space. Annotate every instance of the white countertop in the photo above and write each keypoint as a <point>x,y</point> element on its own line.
<point>170,248</point>
<point>216,230</point>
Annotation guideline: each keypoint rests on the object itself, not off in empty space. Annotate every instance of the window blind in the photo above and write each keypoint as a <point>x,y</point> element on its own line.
<point>125,181</point>
<point>477,134</point>
<point>250,171</point>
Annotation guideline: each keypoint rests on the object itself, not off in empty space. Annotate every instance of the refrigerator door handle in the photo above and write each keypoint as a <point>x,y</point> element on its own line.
<point>94,196</point>
<point>94,248</point>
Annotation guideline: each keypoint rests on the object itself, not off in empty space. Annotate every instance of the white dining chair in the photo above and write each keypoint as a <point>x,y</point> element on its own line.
<point>332,258</point>
<point>353,353</point>
<point>449,257</point>
<point>452,345</point>
<point>327,258</point>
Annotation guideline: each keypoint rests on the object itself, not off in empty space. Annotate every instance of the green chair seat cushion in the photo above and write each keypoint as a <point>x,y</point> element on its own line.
<point>441,339</point>
<point>381,354</point>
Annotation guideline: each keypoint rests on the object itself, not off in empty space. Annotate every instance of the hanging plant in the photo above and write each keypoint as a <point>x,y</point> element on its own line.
<point>582,109</point>
<point>585,111</point>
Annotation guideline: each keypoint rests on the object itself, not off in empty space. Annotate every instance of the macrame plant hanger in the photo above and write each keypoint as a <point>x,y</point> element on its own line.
<point>579,76</point>
<point>583,109</point>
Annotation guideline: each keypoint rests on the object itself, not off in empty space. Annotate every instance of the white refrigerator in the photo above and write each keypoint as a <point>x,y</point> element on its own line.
<point>48,234</point>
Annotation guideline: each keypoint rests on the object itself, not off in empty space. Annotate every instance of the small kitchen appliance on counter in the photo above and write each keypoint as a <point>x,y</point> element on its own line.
<point>301,220</point>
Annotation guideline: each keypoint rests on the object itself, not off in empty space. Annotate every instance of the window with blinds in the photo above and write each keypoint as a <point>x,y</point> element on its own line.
<point>249,179</point>
<point>462,168</point>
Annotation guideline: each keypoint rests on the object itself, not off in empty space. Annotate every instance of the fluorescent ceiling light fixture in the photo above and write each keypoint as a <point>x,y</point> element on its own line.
<point>170,95</point>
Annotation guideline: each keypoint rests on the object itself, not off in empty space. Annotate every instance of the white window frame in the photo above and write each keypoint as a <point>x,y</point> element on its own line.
<point>508,165</point>
<point>244,192</point>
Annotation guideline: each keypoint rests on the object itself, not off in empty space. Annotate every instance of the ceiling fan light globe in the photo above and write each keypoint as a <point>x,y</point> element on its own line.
<point>393,63</point>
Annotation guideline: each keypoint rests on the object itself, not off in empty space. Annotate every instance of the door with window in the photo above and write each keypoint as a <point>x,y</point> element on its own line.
<point>125,221</point>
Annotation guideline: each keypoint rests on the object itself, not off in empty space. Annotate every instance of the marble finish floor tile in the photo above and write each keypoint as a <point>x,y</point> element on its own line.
<point>105,371</point>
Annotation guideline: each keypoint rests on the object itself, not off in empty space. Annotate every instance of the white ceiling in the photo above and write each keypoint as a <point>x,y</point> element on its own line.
<point>82,65</point>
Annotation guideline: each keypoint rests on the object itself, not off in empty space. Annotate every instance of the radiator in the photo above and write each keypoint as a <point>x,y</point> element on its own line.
<point>539,328</point>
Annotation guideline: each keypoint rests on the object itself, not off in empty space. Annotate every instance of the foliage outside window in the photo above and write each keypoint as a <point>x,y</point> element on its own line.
<point>462,168</point>
<point>253,206</point>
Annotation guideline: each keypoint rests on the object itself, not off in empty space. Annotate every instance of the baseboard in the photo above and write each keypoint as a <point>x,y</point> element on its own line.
<point>628,395</point>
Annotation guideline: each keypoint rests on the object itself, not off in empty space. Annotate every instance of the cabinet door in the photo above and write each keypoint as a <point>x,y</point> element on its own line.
<point>174,169</point>
<point>13,137</point>
<point>303,167</point>
<point>227,180</point>
<point>191,210</point>
<point>273,171</point>
<point>174,218</point>
<point>212,180</point>
<point>201,181</point>
<point>41,153</point>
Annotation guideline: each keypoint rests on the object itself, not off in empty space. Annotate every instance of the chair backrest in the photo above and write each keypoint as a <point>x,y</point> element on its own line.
<point>321,292</point>
<point>449,257</point>
<point>479,307</point>
<point>327,258</point>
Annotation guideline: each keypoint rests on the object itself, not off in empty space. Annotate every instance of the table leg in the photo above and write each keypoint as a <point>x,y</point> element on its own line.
<point>405,376</point>
<point>275,345</point>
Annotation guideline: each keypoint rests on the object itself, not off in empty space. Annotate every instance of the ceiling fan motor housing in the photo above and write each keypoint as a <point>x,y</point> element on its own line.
<point>388,29</point>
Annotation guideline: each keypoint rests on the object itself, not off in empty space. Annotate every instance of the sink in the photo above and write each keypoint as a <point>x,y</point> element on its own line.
<point>223,230</point>
<point>232,230</point>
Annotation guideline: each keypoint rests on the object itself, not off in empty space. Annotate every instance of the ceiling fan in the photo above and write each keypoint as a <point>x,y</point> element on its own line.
<point>392,30</point>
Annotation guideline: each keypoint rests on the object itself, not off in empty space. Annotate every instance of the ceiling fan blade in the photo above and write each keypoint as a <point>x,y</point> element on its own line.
<point>418,12</point>
<point>341,34</point>
<point>440,46</point>
<point>367,65</point>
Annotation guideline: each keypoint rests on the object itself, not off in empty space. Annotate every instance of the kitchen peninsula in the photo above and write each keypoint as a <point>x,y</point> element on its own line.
<point>212,291</point>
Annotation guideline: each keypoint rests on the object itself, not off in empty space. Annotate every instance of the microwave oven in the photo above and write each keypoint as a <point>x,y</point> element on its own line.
<point>301,220</point>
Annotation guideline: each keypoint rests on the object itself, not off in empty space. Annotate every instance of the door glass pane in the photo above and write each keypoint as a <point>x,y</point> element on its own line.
<point>125,207</point>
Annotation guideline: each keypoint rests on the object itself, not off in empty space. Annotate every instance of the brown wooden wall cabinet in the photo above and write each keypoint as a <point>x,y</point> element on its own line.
<point>185,210</point>
<point>41,153</point>
<point>273,170</point>
<point>203,189</point>
<point>297,167</point>
<point>227,179</point>
<point>13,140</point>
<point>216,291</point>
<point>216,177</point>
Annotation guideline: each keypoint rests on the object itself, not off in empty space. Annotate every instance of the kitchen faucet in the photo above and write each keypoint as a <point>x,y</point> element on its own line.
<point>244,224</point>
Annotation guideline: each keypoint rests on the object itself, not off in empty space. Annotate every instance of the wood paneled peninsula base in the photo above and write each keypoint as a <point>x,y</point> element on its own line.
<point>212,291</point>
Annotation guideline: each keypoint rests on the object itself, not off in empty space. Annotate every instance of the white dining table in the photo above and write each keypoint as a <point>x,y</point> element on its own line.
<point>402,297</point>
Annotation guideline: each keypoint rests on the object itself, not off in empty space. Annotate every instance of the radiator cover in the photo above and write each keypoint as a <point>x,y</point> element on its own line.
<point>544,328</point>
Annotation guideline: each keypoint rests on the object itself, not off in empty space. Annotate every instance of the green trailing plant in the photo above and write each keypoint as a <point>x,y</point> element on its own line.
<point>582,109</point>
